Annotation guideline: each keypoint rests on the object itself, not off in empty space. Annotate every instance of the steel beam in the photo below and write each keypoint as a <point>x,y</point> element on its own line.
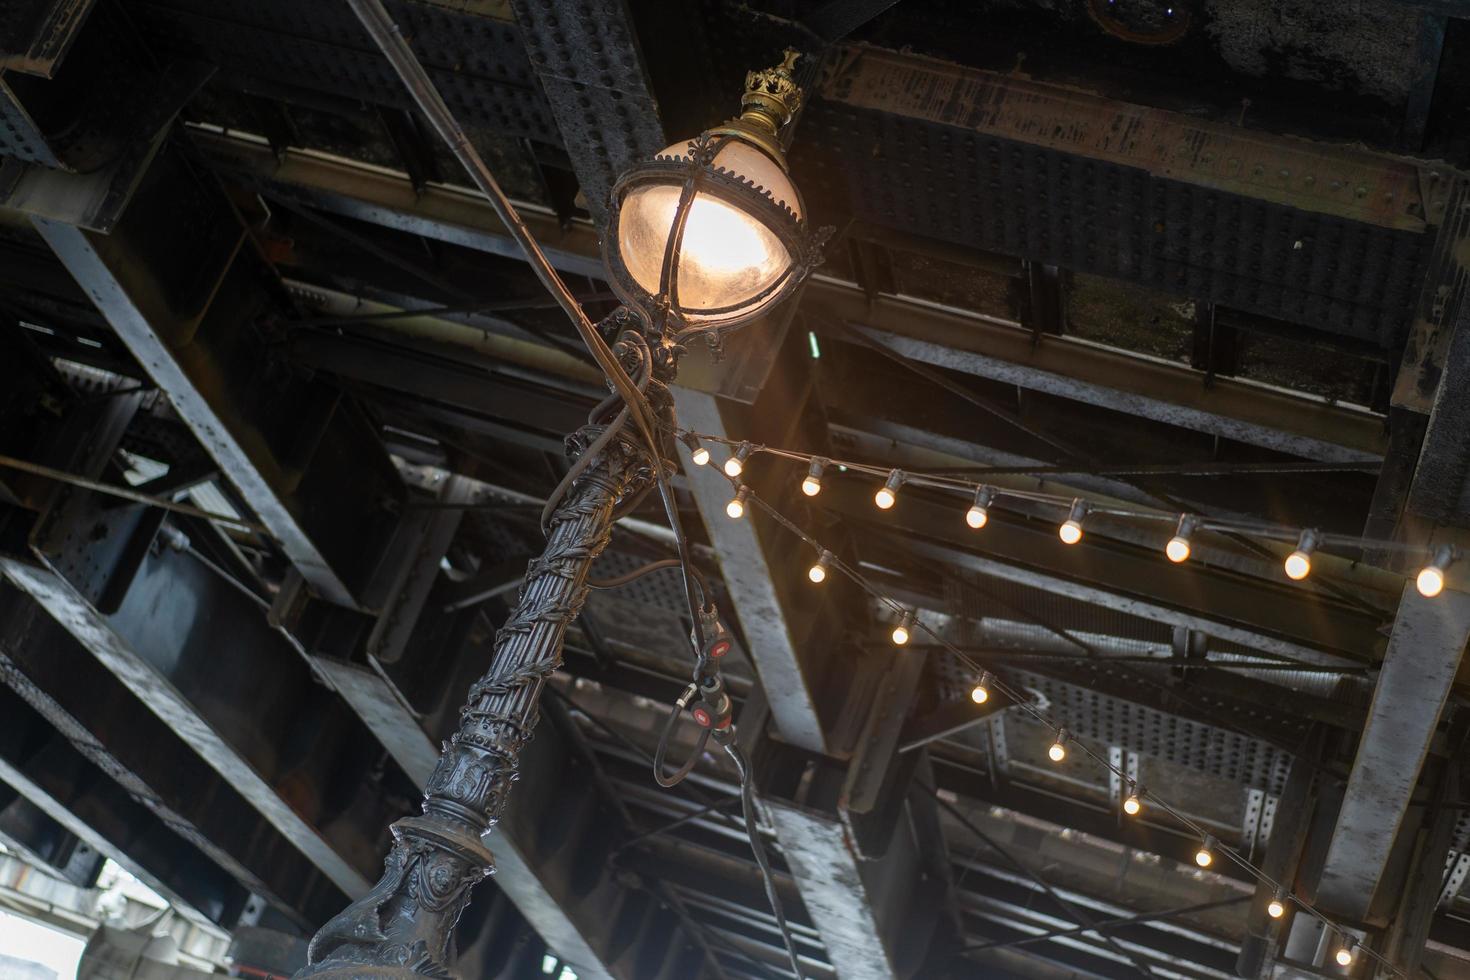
<point>47,770</point>
<point>1418,670</point>
<point>307,464</point>
<point>1082,371</point>
<point>776,635</point>
<point>192,648</point>
<point>976,141</point>
<point>94,711</point>
<point>1254,414</point>
<point>587,56</point>
<point>1257,614</point>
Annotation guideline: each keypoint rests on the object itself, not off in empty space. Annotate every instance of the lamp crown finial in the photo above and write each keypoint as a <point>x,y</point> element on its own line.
<point>772,94</point>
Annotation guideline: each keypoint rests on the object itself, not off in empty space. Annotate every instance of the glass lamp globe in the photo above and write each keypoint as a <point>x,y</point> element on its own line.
<point>710,233</point>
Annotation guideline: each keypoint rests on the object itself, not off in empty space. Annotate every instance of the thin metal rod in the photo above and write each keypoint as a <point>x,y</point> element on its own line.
<point>1073,912</point>
<point>61,476</point>
<point>1127,920</point>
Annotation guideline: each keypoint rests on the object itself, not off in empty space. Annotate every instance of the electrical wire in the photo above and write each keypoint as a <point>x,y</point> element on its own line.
<point>659,776</point>
<point>947,481</point>
<point>758,847</point>
<point>654,566</point>
<point>1021,700</point>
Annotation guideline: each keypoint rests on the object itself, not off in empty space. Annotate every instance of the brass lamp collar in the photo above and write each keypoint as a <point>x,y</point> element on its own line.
<point>771,98</point>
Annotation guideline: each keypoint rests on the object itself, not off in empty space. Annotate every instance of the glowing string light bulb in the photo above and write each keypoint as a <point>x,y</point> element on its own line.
<point>735,465</point>
<point>1177,550</point>
<point>1276,908</point>
<point>979,513</point>
<point>1344,954</point>
<point>698,454</point>
<point>980,693</point>
<point>1298,564</point>
<point>1205,856</point>
<point>812,484</point>
<point>1430,581</point>
<point>1058,750</point>
<point>818,572</point>
<point>887,495</point>
<point>735,509</point>
<point>1071,530</point>
<point>1133,805</point>
<point>904,628</point>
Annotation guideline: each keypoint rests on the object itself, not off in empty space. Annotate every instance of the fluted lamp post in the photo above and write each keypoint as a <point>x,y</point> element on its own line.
<point>704,237</point>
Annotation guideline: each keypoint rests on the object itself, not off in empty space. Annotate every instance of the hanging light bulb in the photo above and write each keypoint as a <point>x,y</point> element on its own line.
<point>698,455</point>
<point>887,495</point>
<point>1276,908</point>
<point>818,572</point>
<point>1430,581</point>
<point>735,509</point>
<point>979,513</point>
<point>1177,550</point>
<point>1205,856</point>
<point>1071,530</point>
<point>905,626</point>
<point>1344,954</point>
<point>1133,805</point>
<point>1058,750</point>
<point>1298,564</point>
<point>980,693</point>
<point>812,485</point>
<point>735,465</point>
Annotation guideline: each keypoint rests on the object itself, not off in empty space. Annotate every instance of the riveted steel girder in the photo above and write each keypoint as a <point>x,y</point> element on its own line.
<point>196,316</point>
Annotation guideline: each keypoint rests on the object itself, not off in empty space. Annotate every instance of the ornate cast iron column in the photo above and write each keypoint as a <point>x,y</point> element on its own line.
<point>403,927</point>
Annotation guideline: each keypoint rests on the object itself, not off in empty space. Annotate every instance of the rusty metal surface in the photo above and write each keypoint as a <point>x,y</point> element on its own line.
<point>1322,236</point>
<point>1339,181</point>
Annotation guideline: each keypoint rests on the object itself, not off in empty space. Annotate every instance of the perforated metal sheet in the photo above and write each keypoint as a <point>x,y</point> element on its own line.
<point>586,53</point>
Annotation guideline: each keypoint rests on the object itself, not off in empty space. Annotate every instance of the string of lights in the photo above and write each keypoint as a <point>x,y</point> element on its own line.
<point>908,623</point>
<point>984,498</point>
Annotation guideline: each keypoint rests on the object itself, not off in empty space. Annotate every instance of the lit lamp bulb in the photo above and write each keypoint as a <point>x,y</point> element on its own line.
<point>735,509</point>
<point>698,455</point>
<point>1298,564</point>
<point>812,484</point>
<point>1133,805</point>
<point>1177,550</point>
<point>1058,750</point>
<point>980,693</point>
<point>735,465</point>
<point>1344,954</point>
<point>818,572</point>
<point>1205,856</point>
<point>1430,581</point>
<point>887,495</point>
<point>979,513</point>
<point>1071,530</point>
<point>1276,908</point>
<point>905,626</point>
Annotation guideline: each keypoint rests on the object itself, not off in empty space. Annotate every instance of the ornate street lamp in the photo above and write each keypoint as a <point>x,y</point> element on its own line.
<point>710,234</point>
<point>704,237</point>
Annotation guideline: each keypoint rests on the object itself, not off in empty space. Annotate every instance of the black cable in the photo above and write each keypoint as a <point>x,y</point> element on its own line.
<point>758,847</point>
<point>669,782</point>
<point>653,566</point>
